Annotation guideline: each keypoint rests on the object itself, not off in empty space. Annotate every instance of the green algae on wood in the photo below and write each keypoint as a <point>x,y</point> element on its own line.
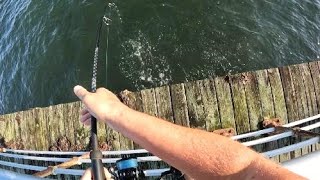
<point>179,104</point>
<point>210,104</point>
<point>239,103</point>
<point>195,106</point>
<point>225,105</point>
<point>280,109</point>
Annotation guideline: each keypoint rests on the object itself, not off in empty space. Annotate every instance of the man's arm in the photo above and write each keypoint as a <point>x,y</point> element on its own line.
<point>200,154</point>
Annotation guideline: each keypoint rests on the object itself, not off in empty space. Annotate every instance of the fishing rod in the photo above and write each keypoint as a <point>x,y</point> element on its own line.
<point>96,154</point>
<point>127,167</point>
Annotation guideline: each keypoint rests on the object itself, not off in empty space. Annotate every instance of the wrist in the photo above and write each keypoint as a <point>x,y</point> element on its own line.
<point>115,113</point>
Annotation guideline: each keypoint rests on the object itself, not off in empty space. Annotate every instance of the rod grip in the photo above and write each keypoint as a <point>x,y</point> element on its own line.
<point>97,166</point>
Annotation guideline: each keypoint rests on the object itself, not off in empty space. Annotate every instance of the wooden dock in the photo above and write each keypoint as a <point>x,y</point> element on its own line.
<point>239,101</point>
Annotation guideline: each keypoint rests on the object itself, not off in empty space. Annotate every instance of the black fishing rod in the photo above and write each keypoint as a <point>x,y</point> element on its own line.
<point>96,154</point>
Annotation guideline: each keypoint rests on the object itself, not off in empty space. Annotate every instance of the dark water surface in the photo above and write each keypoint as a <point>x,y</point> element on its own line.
<point>46,47</point>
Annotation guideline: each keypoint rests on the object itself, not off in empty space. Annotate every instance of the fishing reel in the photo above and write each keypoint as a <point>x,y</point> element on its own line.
<point>127,169</point>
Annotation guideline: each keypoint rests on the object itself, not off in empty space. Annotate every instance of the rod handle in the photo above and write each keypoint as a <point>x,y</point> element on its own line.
<point>97,166</point>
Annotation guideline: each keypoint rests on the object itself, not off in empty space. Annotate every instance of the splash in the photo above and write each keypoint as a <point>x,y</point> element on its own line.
<point>141,63</point>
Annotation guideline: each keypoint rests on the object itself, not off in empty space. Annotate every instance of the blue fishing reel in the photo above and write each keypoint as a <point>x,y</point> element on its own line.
<point>128,169</point>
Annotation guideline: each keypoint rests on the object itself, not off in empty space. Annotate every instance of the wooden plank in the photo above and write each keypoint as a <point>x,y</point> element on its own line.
<point>239,103</point>
<point>56,124</point>
<point>37,129</point>
<point>41,123</point>
<point>73,115</point>
<point>9,131</point>
<point>164,109</point>
<point>195,106</point>
<point>68,119</point>
<point>31,129</point>
<point>134,101</point>
<point>310,94</point>
<point>301,98</point>
<point>310,89</point>
<point>81,133</point>
<point>290,99</point>
<point>267,105</point>
<point>280,109</point>
<point>210,104</point>
<point>9,135</point>
<point>24,135</point>
<point>253,101</point>
<point>179,104</point>
<point>225,103</point>
<point>253,104</point>
<point>164,105</point>
<point>149,105</point>
<point>315,74</point>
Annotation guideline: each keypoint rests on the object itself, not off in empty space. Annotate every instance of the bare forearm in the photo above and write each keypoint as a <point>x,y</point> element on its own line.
<point>200,154</point>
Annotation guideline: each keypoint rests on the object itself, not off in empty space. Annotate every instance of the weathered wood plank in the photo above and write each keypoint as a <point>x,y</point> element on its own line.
<point>267,107</point>
<point>239,103</point>
<point>30,118</point>
<point>195,106</point>
<point>253,101</point>
<point>280,109</point>
<point>310,94</point>
<point>9,131</point>
<point>179,104</point>
<point>291,100</point>
<point>301,98</point>
<point>253,104</point>
<point>164,105</point>
<point>68,117</point>
<point>225,103</point>
<point>315,74</point>
<point>149,104</point>
<point>82,133</point>
<point>134,101</point>
<point>210,104</point>
<point>310,89</point>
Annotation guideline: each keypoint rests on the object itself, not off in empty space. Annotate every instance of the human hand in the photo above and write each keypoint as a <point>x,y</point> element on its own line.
<point>87,175</point>
<point>103,105</point>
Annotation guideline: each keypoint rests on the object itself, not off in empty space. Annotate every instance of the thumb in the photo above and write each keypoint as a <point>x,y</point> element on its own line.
<point>80,91</point>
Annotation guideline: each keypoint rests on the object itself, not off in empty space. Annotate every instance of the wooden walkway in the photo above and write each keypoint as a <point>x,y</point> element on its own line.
<point>239,101</point>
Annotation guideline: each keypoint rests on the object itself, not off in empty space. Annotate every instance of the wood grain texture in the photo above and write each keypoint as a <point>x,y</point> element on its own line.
<point>225,105</point>
<point>241,115</point>
<point>280,110</point>
<point>267,105</point>
<point>179,105</point>
<point>310,95</point>
<point>164,105</point>
<point>315,74</point>
<point>291,100</point>
<point>210,104</point>
<point>302,107</point>
<point>197,115</point>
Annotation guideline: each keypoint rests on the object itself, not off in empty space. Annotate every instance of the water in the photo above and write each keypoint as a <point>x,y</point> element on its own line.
<point>47,47</point>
